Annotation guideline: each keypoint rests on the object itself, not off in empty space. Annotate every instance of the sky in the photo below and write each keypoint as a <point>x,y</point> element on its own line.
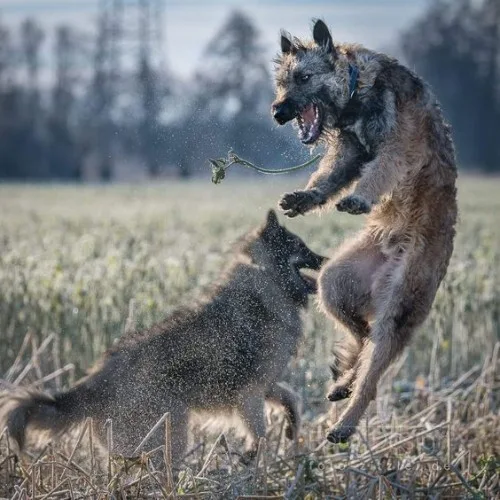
<point>190,24</point>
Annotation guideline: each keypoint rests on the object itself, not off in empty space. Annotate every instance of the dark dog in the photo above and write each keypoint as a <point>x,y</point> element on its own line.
<point>223,355</point>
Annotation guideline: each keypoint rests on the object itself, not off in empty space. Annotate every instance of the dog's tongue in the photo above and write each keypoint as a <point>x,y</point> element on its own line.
<point>308,124</point>
<point>308,115</point>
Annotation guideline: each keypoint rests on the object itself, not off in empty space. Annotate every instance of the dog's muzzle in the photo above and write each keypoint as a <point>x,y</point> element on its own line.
<point>314,261</point>
<point>283,111</point>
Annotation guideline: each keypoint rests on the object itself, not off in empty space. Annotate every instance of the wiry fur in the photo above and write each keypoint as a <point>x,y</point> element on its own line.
<point>223,355</point>
<point>391,138</point>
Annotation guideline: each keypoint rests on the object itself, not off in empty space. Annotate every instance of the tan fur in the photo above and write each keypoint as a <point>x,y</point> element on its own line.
<point>391,138</point>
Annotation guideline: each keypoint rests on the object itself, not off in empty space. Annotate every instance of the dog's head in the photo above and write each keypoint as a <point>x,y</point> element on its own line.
<point>285,256</point>
<point>312,84</point>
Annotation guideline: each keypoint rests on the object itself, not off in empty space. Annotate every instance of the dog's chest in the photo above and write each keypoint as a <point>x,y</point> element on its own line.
<point>286,328</point>
<point>357,128</point>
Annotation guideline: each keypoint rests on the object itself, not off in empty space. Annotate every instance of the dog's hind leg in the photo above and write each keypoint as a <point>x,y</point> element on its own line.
<point>345,293</point>
<point>133,424</point>
<point>250,408</point>
<point>279,394</point>
<point>406,295</point>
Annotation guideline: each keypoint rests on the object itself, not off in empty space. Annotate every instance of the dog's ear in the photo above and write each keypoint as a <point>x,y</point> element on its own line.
<point>272,221</point>
<point>287,46</point>
<point>322,36</point>
<point>271,228</point>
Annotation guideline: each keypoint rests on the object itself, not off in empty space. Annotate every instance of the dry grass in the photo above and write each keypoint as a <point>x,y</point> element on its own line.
<point>422,444</point>
<point>73,259</point>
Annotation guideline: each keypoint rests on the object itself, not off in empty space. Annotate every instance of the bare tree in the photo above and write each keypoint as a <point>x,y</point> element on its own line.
<point>63,148</point>
<point>149,107</point>
<point>32,38</point>
<point>32,116</point>
<point>456,47</point>
<point>101,98</point>
<point>232,95</point>
<point>6,51</point>
<point>234,71</point>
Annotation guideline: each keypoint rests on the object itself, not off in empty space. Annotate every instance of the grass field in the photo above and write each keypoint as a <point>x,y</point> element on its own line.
<point>75,260</point>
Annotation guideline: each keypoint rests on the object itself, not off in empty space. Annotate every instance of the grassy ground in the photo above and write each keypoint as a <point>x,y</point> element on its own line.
<point>74,259</point>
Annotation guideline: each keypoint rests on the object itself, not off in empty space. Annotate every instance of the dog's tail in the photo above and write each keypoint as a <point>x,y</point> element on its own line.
<point>24,409</point>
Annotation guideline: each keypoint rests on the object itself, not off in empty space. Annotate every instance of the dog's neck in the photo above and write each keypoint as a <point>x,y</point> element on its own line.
<point>350,112</point>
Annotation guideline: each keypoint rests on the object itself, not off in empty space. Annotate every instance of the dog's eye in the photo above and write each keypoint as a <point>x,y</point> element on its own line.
<point>304,78</point>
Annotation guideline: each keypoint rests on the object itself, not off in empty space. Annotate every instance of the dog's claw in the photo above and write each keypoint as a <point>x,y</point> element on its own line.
<point>339,393</point>
<point>354,205</point>
<point>340,434</point>
<point>300,202</point>
<point>289,432</point>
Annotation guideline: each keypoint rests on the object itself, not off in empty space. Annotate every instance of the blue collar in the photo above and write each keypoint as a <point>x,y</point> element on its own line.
<point>353,79</point>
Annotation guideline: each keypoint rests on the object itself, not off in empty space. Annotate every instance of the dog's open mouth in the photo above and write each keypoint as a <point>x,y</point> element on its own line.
<point>309,279</point>
<point>309,120</point>
<point>307,270</point>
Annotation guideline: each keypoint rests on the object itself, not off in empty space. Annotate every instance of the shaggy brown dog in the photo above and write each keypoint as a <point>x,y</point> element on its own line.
<point>383,128</point>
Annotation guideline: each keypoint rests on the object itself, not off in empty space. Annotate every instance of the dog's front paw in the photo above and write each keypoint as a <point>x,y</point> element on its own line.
<point>354,204</point>
<point>300,202</point>
<point>340,434</point>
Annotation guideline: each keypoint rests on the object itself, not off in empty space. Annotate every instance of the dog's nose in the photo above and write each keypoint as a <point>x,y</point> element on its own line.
<point>281,112</point>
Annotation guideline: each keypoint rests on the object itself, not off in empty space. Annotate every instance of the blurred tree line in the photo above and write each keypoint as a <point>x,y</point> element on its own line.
<point>94,120</point>
<point>97,121</point>
<point>455,46</point>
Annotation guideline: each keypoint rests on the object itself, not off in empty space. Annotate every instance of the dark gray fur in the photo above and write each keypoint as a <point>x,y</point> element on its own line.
<point>223,355</point>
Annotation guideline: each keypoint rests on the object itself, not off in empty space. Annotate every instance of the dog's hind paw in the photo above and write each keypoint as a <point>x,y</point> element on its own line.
<point>340,434</point>
<point>354,205</point>
<point>339,392</point>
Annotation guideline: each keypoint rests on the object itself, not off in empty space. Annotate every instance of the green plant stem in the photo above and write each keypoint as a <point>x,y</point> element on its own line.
<point>269,171</point>
<point>220,165</point>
